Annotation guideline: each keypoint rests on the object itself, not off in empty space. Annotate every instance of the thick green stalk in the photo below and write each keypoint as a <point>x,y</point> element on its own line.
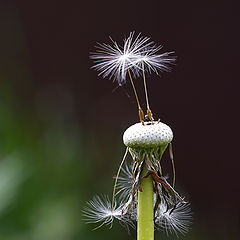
<point>145,226</point>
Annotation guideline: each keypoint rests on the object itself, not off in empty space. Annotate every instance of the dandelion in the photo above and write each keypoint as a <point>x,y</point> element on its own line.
<point>145,195</point>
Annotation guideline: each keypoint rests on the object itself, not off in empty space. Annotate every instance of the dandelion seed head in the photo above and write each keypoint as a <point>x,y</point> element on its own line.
<point>147,136</point>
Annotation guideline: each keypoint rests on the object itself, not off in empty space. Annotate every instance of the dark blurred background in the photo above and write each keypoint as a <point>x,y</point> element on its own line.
<point>61,125</point>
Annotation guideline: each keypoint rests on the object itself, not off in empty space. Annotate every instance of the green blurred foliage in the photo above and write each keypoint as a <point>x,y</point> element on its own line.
<point>50,163</point>
<point>42,174</point>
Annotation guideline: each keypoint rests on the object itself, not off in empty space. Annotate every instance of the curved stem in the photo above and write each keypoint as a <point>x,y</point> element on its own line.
<point>145,86</point>
<point>134,89</point>
<point>173,165</point>
<point>149,112</point>
<point>140,111</point>
<point>116,179</point>
<point>145,225</point>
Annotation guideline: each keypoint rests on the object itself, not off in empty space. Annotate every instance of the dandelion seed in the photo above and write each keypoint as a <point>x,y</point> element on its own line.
<point>149,61</point>
<point>175,220</point>
<point>113,61</point>
<point>137,55</point>
<point>99,210</point>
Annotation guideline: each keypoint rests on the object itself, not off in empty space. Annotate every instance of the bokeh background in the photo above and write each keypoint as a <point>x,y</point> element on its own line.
<point>61,125</point>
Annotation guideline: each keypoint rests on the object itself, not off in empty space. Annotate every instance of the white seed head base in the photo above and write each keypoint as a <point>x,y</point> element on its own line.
<point>149,135</point>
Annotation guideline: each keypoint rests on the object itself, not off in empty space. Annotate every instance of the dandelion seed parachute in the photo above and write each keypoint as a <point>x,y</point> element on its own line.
<point>173,221</point>
<point>114,61</point>
<point>99,210</point>
<point>149,61</point>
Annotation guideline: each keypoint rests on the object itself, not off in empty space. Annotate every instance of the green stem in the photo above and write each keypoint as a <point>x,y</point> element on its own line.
<point>145,226</point>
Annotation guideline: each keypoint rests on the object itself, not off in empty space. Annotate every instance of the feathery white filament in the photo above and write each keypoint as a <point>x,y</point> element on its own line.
<point>175,220</point>
<point>155,62</point>
<point>113,61</point>
<point>125,181</point>
<point>172,220</point>
<point>99,210</point>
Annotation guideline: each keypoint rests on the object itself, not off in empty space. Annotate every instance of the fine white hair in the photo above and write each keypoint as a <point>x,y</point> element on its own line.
<point>137,54</point>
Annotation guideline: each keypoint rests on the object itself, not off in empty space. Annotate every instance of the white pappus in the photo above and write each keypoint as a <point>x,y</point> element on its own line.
<point>172,220</point>
<point>137,54</point>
